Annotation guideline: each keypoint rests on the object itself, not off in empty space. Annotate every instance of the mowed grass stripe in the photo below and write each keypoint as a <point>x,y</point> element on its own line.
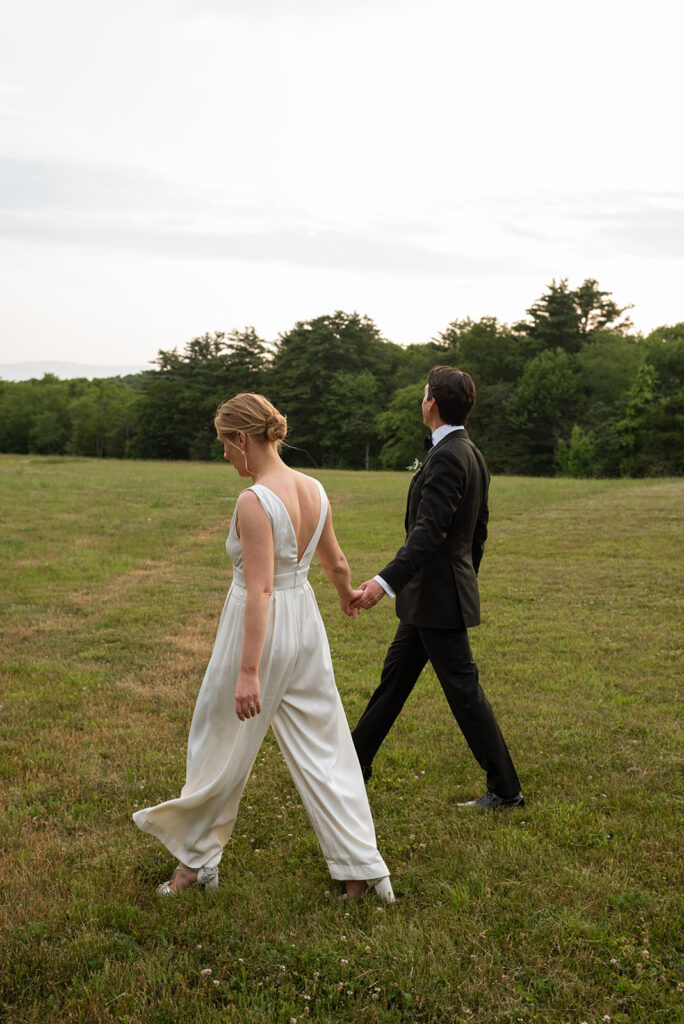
<point>113,576</point>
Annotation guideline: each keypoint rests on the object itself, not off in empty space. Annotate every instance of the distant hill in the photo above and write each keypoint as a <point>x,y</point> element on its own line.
<point>65,371</point>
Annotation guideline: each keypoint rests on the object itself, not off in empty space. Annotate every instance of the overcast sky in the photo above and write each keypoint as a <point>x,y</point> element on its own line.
<point>170,167</point>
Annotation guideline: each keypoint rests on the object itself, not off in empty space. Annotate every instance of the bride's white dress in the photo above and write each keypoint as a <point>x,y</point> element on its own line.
<point>299,700</point>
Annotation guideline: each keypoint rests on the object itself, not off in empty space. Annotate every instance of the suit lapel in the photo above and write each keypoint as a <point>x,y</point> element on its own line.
<point>416,476</point>
<point>463,433</point>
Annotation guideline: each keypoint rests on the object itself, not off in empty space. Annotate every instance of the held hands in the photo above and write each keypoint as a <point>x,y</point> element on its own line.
<point>367,596</point>
<point>247,696</point>
<point>348,603</point>
<point>370,593</point>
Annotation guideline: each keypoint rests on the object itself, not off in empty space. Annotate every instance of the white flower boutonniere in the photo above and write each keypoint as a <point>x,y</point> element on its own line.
<point>415,466</point>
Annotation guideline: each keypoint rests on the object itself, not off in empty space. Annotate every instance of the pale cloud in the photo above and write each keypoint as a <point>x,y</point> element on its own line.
<point>120,207</point>
<point>639,222</point>
<point>130,208</point>
<point>651,229</point>
<point>35,186</point>
<point>332,249</point>
<point>172,166</point>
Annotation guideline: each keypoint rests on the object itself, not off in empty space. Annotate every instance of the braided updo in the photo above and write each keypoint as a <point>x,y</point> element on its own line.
<point>254,415</point>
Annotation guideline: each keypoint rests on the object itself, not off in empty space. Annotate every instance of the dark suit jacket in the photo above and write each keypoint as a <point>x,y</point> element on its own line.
<point>434,574</point>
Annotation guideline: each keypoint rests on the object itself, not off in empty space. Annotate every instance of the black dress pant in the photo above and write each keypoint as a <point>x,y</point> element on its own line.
<point>448,650</point>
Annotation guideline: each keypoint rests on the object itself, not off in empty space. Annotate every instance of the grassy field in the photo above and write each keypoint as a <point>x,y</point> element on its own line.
<point>113,576</point>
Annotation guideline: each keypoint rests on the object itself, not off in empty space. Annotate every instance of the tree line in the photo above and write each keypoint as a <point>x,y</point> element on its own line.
<point>570,390</point>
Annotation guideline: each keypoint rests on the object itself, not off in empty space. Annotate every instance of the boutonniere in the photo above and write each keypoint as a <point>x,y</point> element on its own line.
<point>415,466</point>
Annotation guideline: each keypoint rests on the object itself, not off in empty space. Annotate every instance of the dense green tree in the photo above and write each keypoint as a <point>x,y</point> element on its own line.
<point>48,432</point>
<point>607,446</point>
<point>503,445</point>
<point>597,310</point>
<point>248,360</point>
<point>49,429</point>
<point>489,351</point>
<point>102,417</point>
<point>402,429</point>
<point>167,417</point>
<point>664,350</point>
<point>632,428</point>
<point>352,436</point>
<point>608,364</point>
<point>554,320</point>
<point>577,457</point>
<point>652,427</point>
<point>566,318</point>
<point>177,403</point>
<point>87,428</point>
<point>19,403</point>
<point>662,448</point>
<point>494,355</point>
<point>544,407</point>
<point>306,361</point>
<point>77,416</point>
<point>416,361</point>
<point>568,391</point>
<point>661,452</point>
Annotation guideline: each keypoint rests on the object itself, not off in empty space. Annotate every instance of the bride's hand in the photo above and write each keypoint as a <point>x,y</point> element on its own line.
<point>348,600</point>
<point>247,696</point>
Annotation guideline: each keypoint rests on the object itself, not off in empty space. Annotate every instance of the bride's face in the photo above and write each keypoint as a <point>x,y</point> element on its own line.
<point>234,452</point>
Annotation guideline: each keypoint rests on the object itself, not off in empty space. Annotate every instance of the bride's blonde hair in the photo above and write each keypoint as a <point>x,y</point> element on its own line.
<point>254,415</point>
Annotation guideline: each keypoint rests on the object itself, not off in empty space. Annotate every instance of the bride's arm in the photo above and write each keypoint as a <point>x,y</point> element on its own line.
<point>336,567</point>
<point>256,541</point>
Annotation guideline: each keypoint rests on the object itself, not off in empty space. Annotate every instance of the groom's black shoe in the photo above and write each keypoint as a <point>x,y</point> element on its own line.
<point>490,799</point>
<point>366,771</point>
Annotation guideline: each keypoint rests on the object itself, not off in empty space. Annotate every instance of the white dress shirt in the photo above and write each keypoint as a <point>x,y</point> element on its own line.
<point>437,435</point>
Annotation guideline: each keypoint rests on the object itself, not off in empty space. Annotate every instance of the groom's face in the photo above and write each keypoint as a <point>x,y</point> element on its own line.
<point>427,406</point>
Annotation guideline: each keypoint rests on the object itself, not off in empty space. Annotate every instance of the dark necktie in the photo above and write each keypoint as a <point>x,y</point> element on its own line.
<point>427,443</point>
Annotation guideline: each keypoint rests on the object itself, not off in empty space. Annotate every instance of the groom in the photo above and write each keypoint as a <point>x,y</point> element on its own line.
<point>434,579</point>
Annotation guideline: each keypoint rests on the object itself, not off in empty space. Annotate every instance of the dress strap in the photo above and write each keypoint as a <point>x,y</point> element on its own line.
<point>313,543</point>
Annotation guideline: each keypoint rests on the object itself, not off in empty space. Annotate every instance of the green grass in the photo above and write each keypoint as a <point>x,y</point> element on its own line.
<point>113,576</point>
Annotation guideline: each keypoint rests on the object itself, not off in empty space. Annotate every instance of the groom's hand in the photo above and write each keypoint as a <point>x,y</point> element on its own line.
<point>371,593</point>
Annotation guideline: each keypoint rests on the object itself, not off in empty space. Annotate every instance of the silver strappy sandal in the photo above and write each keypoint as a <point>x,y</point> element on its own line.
<point>208,877</point>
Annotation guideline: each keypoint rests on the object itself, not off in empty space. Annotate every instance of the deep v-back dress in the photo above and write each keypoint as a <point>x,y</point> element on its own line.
<point>299,699</point>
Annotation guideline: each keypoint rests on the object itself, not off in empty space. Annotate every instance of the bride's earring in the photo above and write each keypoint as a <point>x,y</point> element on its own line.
<point>244,455</point>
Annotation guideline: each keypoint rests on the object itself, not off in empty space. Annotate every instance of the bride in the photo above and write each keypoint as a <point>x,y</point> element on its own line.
<point>271,665</point>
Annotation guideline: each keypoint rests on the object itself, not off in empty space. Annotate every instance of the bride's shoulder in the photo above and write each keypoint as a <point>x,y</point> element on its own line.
<point>306,482</point>
<point>248,496</point>
<point>248,502</point>
<point>309,489</point>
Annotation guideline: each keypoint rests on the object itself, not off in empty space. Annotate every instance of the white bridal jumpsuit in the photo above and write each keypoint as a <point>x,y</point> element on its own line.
<point>298,698</point>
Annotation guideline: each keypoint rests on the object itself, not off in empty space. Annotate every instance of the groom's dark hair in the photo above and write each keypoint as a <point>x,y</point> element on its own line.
<point>454,392</point>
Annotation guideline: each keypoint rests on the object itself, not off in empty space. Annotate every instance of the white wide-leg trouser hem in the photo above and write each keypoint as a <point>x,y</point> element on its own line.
<point>173,844</point>
<point>357,872</point>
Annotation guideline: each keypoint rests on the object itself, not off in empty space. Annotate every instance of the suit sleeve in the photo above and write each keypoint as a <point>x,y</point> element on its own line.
<point>480,534</point>
<point>440,497</point>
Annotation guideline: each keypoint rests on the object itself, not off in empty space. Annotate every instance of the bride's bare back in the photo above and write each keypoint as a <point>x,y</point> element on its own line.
<point>302,500</point>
